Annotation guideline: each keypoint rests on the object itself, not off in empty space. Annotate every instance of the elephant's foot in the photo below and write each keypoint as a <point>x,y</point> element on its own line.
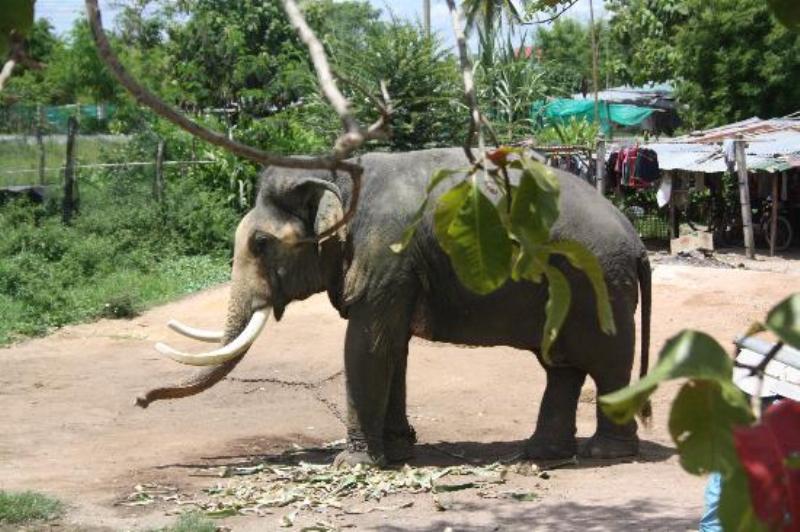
<point>360,451</point>
<point>399,446</point>
<point>354,458</point>
<point>609,447</point>
<point>539,448</point>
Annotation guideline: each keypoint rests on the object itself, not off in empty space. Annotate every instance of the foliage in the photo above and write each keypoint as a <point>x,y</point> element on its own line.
<point>729,59</point>
<point>303,488</point>
<point>236,52</point>
<point>507,82</point>
<point>565,48</point>
<point>577,132</point>
<point>422,79</point>
<point>493,242</point>
<point>16,22</point>
<point>710,417</point>
<point>17,508</point>
<point>123,252</point>
<point>736,61</point>
<point>645,31</point>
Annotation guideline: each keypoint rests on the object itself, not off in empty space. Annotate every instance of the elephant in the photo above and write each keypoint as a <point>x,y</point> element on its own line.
<point>388,297</point>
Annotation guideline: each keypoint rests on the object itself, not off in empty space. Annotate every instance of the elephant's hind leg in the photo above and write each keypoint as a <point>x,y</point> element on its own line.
<point>611,440</point>
<point>554,436</point>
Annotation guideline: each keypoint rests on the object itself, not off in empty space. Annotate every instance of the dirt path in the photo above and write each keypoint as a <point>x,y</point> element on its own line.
<point>68,427</point>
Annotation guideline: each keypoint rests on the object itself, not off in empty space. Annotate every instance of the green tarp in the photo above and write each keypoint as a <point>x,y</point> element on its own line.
<point>562,110</point>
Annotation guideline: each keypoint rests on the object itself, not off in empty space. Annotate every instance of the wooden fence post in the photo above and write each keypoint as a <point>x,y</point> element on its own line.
<point>69,205</point>
<point>744,196</point>
<point>600,167</point>
<point>40,141</point>
<point>158,182</point>
<point>773,225</point>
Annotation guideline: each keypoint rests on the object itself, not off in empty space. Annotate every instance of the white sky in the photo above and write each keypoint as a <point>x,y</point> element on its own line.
<point>62,13</point>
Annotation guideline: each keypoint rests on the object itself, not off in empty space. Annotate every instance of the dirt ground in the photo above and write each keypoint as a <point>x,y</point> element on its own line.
<point>68,426</point>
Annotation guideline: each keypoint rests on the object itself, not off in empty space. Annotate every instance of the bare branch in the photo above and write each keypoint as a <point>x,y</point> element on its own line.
<point>162,109</point>
<point>352,138</point>
<point>5,73</point>
<point>469,84</point>
<point>551,18</point>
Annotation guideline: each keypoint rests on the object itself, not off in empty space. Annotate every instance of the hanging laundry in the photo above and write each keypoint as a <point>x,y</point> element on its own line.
<point>646,167</point>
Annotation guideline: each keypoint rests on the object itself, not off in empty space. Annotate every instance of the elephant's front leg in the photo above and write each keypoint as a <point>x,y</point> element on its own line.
<point>398,434</point>
<point>375,345</point>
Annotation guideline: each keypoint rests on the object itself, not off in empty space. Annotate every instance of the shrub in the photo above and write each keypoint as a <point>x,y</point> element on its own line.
<point>22,507</point>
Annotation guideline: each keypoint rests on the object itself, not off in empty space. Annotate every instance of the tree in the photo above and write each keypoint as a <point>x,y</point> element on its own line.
<point>735,62</point>
<point>645,31</point>
<point>420,74</point>
<point>729,59</point>
<point>237,52</point>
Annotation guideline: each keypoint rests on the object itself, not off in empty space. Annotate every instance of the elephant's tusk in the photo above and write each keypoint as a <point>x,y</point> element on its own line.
<point>225,353</point>
<point>197,334</point>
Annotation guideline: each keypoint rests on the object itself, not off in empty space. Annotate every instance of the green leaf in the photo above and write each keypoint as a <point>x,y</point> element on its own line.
<point>690,354</point>
<point>784,320</point>
<point>476,240</point>
<point>558,301</point>
<point>701,422</point>
<point>446,210</point>
<point>583,259</point>
<point>534,210</point>
<point>437,177</point>
<point>530,266</point>
<point>735,505</point>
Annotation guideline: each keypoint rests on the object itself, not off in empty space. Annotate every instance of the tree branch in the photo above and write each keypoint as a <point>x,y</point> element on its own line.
<point>551,18</point>
<point>469,85</point>
<point>5,73</point>
<point>352,138</point>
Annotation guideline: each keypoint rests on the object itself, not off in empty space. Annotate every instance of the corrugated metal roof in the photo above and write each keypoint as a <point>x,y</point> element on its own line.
<point>772,146</point>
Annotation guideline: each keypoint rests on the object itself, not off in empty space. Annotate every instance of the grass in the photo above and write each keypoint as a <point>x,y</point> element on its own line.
<point>192,522</point>
<point>24,507</point>
<point>121,294</point>
<point>19,158</point>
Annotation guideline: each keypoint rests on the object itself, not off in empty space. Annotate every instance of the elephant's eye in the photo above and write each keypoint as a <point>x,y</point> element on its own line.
<point>260,241</point>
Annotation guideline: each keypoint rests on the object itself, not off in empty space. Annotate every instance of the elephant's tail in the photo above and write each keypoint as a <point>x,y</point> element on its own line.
<point>645,286</point>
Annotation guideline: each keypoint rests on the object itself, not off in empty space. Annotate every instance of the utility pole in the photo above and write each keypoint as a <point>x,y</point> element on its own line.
<point>426,16</point>
<point>595,74</point>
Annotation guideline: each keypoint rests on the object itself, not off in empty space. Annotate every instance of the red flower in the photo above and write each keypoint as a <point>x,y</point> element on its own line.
<point>770,453</point>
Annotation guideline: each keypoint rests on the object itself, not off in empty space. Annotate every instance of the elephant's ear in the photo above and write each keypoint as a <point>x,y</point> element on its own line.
<point>316,201</point>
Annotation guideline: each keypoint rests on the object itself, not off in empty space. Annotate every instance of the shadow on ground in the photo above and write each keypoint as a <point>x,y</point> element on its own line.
<point>441,454</point>
<point>638,514</point>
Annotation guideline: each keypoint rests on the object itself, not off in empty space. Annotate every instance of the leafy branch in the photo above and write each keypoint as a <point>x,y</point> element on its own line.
<point>711,421</point>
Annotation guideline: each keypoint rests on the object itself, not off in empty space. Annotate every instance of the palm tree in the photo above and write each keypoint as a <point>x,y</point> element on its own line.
<point>486,13</point>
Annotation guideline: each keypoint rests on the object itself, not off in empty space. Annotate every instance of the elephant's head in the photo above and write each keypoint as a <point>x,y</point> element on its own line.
<point>275,261</point>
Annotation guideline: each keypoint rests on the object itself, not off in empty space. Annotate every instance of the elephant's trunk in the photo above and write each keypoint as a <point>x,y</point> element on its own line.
<point>241,319</point>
